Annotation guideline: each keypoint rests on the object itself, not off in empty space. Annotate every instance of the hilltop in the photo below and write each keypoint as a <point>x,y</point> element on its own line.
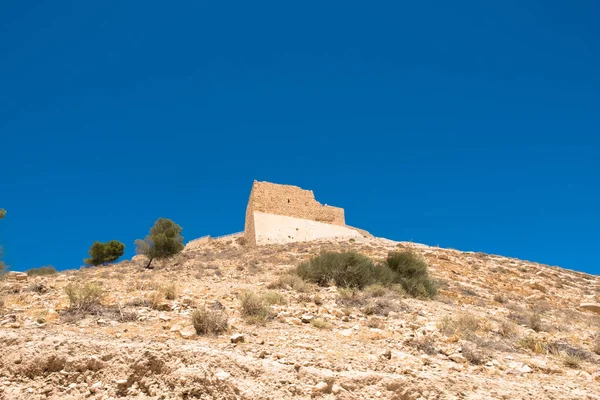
<point>499,328</point>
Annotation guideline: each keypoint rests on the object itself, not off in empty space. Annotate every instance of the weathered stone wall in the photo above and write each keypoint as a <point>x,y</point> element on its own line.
<point>279,229</point>
<point>292,201</point>
<point>285,213</point>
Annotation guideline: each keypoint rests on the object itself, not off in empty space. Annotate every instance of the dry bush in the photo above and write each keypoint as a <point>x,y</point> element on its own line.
<point>596,346</point>
<point>170,291</point>
<point>531,320</point>
<point>533,344</point>
<point>317,300</point>
<point>375,323</point>
<point>85,298</point>
<point>254,308</point>
<point>425,344</point>
<point>507,329</point>
<point>321,323</point>
<point>209,322</point>
<point>275,298</point>
<point>290,282</point>
<point>45,270</point>
<point>464,325</point>
<point>474,355</point>
<point>500,299</point>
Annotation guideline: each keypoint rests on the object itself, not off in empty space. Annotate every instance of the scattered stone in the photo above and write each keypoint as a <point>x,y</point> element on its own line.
<point>387,354</point>
<point>594,307</point>
<point>322,387</point>
<point>222,375</point>
<point>346,332</point>
<point>237,338</point>
<point>16,276</point>
<point>306,318</point>
<point>187,332</point>
<point>457,358</point>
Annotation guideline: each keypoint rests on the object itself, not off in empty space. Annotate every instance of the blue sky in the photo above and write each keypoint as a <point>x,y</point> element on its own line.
<point>472,125</point>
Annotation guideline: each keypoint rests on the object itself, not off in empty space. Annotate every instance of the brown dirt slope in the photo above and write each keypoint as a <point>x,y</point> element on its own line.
<point>500,328</point>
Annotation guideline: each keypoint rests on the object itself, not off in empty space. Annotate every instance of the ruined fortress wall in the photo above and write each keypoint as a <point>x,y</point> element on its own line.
<point>279,229</point>
<point>292,201</point>
<point>285,213</point>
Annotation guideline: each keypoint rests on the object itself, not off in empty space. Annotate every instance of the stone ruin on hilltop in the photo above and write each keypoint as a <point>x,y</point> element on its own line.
<point>283,213</point>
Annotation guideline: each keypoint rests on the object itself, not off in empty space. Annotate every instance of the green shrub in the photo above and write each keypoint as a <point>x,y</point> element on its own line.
<point>209,322</point>
<point>46,270</point>
<point>86,298</point>
<point>348,269</point>
<point>103,253</point>
<point>164,241</point>
<point>411,272</point>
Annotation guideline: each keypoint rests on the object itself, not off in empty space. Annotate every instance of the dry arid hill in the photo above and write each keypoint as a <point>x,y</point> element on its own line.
<point>500,328</point>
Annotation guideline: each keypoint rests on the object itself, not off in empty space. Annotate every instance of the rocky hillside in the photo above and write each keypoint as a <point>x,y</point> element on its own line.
<point>499,328</point>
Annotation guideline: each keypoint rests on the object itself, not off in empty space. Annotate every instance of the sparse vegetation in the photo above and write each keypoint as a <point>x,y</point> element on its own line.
<point>596,346</point>
<point>353,270</point>
<point>346,270</point>
<point>500,299</point>
<point>254,308</point>
<point>104,253</point>
<point>275,298</point>
<point>474,355</point>
<point>85,298</point>
<point>170,291</point>
<point>290,282</point>
<point>530,319</point>
<point>533,344</point>
<point>45,270</point>
<point>507,329</point>
<point>209,322</point>
<point>164,241</point>
<point>411,273</point>
<point>321,323</point>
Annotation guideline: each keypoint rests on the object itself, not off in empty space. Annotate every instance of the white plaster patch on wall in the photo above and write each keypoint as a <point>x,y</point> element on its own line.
<point>277,229</point>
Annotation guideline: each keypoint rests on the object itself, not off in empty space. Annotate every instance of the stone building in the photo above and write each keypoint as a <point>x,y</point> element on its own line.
<point>285,213</point>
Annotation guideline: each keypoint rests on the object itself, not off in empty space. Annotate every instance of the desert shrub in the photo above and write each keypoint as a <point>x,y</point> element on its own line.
<point>85,298</point>
<point>3,269</point>
<point>290,282</point>
<point>464,325</point>
<point>46,270</point>
<point>533,344</point>
<point>321,323</point>
<point>474,355</point>
<point>376,290</point>
<point>274,298</point>
<point>254,308</point>
<point>596,345</point>
<point>507,329</point>
<point>170,291</point>
<point>424,344</point>
<point>411,272</point>
<point>209,322</point>
<point>164,241</point>
<point>103,253</point>
<point>347,269</point>
<point>500,299</point>
<point>530,319</point>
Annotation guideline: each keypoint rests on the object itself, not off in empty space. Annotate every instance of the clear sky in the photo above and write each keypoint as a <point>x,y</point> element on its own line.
<point>472,125</point>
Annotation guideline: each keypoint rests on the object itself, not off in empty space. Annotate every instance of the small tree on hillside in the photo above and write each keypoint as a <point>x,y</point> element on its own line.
<point>164,240</point>
<point>102,253</point>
